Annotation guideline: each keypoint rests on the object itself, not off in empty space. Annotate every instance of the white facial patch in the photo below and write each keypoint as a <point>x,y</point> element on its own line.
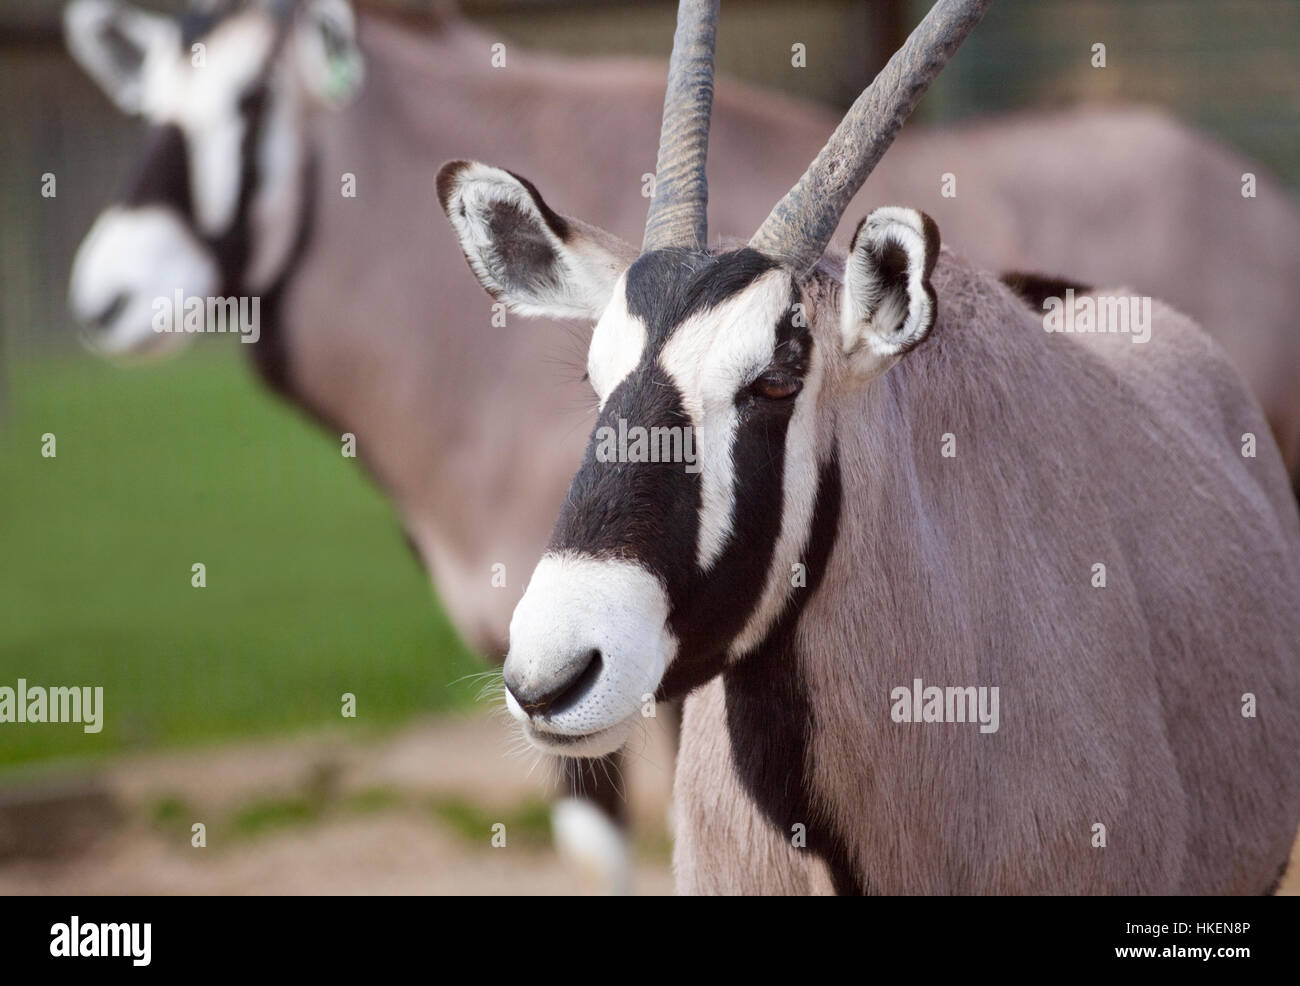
<point>133,257</point>
<point>575,604</point>
<point>617,345</point>
<point>200,95</point>
<point>800,477</point>
<point>710,357</point>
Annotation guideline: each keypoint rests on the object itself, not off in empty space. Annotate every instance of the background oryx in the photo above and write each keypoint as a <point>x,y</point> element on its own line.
<point>897,425</point>
<point>371,324</point>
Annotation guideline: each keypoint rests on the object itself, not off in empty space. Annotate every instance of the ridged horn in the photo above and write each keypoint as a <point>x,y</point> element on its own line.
<point>677,216</point>
<point>799,227</point>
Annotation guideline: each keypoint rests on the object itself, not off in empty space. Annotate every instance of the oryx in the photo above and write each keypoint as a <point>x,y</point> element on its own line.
<point>902,478</point>
<point>371,324</point>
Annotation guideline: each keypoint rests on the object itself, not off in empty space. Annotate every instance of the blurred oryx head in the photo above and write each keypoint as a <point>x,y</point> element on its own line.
<point>657,575</point>
<point>215,202</point>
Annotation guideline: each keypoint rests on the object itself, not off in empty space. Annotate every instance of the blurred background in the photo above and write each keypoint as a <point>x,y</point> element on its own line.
<point>225,701</point>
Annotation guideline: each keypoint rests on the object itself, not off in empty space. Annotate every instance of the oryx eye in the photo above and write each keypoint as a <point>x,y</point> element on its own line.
<point>775,385</point>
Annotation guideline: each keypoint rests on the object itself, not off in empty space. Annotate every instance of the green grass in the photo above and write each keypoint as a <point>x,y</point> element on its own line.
<point>271,814</point>
<point>528,823</point>
<point>311,590</point>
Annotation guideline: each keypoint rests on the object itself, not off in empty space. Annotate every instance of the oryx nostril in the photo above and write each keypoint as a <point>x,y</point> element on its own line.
<point>555,697</point>
<point>108,314</point>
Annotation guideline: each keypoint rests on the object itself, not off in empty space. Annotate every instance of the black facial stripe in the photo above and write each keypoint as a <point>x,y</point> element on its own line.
<point>646,511</point>
<point>793,349</point>
<point>233,247</point>
<point>666,287</point>
<point>649,512</point>
<point>710,610</point>
<point>770,718</point>
<point>196,25</point>
<point>708,613</point>
<point>162,173</point>
<point>162,177</point>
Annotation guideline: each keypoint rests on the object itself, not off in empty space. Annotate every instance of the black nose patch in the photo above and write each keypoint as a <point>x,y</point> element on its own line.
<point>108,315</point>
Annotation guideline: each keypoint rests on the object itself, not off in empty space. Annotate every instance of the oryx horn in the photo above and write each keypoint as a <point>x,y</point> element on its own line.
<point>681,195</point>
<point>799,227</point>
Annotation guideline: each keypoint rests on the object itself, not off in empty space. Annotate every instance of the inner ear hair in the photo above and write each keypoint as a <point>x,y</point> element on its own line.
<point>507,237</point>
<point>524,252</point>
<point>124,52</point>
<point>887,275</point>
<point>110,41</point>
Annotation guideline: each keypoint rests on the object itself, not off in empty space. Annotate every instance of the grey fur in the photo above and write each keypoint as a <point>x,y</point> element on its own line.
<point>1121,706</point>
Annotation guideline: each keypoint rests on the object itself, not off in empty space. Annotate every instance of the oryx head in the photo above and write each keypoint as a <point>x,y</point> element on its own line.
<point>214,203</point>
<point>659,573</point>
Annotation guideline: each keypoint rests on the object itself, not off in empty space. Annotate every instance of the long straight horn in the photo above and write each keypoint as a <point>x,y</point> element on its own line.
<point>678,209</point>
<point>798,229</point>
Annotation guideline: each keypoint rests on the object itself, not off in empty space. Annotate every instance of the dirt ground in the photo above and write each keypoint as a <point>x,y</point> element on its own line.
<point>411,813</point>
<point>408,813</point>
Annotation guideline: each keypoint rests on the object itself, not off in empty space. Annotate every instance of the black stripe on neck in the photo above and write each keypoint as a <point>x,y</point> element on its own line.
<point>770,717</point>
<point>233,247</point>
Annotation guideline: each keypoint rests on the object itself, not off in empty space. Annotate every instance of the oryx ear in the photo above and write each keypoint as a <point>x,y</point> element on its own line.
<point>889,304</point>
<point>524,253</point>
<point>329,57</point>
<point>111,42</point>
